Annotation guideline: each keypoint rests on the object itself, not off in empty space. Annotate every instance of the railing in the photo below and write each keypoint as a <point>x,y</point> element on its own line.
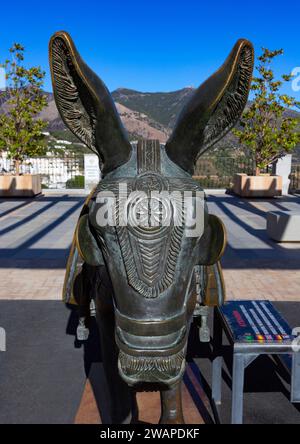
<point>218,171</point>
<point>295,178</point>
<point>210,171</point>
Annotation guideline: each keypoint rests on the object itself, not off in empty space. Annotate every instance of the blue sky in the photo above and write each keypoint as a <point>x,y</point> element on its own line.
<point>153,45</point>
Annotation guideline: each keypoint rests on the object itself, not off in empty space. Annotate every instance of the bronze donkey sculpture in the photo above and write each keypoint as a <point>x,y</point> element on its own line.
<point>148,278</point>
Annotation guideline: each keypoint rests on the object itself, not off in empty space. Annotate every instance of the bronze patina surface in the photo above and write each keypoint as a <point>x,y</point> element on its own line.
<point>148,277</point>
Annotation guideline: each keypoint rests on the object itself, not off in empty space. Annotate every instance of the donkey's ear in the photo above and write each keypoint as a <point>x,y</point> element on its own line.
<point>214,108</point>
<point>85,104</point>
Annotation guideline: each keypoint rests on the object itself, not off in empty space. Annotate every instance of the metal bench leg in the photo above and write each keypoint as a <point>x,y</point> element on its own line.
<point>217,360</point>
<point>237,388</point>
<point>295,383</point>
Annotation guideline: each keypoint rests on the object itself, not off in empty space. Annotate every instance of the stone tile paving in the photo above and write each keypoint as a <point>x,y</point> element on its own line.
<point>255,267</point>
<point>35,239</point>
<point>36,234</point>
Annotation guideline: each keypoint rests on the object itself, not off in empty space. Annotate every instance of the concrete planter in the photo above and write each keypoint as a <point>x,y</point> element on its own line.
<point>27,185</point>
<point>257,186</point>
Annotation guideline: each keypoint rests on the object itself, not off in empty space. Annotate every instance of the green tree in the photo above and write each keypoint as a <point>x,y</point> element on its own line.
<point>265,127</point>
<point>20,128</point>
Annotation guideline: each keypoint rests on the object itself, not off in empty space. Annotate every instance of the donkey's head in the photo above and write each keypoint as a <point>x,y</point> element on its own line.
<point>147,221</point>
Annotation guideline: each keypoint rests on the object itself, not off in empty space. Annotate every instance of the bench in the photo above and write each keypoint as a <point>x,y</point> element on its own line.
<point>284,226</point>
<point>252,328</point>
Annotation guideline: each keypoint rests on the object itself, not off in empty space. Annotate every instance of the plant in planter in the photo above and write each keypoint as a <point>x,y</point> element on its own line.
<point>20,128</point>
<point>267,129</point>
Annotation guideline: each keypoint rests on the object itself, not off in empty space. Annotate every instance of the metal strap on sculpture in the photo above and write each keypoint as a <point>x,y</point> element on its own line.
<point>149,248</point>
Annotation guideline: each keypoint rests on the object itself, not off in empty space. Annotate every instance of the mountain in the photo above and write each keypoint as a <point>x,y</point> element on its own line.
<point>140,125</point>
<point>161,107</point>
<point>149,115</point>
<point>144,114</point>
<point>137,122</point>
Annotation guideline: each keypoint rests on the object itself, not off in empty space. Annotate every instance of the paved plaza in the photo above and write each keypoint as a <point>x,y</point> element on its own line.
<point>35,240</point>
<point>256,267</point>
<point>36,235</point>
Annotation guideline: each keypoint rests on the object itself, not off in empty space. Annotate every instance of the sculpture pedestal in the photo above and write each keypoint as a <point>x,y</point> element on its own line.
<point>148,404</point>
<point>283,167</point>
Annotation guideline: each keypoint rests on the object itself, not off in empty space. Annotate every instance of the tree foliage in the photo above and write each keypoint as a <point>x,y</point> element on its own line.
<point>265,127</point>
<point>20,128</point>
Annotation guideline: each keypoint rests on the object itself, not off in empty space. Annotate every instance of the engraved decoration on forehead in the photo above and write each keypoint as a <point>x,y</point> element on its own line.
<point>148,156</point>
